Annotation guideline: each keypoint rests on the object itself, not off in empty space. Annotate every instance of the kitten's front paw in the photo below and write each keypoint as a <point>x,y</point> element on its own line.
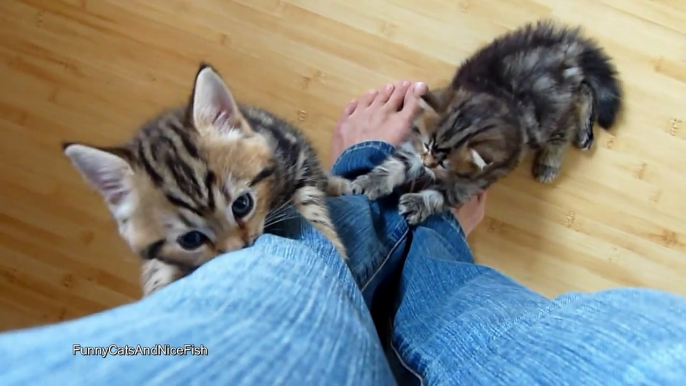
<point>371,188</point>
<point>413,207</point>
<point>544,173</point>
<point>338,186</point>
<point>358,185</point>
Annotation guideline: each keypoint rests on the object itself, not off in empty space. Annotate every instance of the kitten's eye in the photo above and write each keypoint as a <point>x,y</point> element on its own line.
<point>192,240</point>
<point>242,206</point>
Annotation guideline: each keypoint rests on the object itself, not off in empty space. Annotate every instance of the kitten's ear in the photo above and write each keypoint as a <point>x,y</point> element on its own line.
<point>212,105</point>
<point>468,159</point>
<point>434,101</point>
<point>483,150</point>
<point>105,170</point>
<point>477,159</point>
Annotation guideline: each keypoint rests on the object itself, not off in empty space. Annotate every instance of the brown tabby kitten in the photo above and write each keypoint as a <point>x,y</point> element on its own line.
<point>538,88</point>
<point>202,180</point>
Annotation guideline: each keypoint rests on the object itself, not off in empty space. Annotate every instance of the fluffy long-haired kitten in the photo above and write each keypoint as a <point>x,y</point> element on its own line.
<point>538,88</point>
<point>203,179</point>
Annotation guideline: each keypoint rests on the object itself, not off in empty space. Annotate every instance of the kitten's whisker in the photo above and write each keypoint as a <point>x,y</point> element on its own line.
<point>279,211</point>
<point>272,216</point>
<point>277,216</point>
<point>280,220</point>
<point>281,207</point>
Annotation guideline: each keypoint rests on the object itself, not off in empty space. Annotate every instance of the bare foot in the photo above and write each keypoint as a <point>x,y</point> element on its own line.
<point>383,115</point>
<point>470,214</point>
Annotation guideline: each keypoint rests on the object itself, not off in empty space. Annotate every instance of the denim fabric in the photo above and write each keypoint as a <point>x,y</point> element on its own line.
<point>288,311</point>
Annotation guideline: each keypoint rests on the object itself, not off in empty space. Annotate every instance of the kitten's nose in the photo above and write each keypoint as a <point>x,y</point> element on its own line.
<point>429,161</point>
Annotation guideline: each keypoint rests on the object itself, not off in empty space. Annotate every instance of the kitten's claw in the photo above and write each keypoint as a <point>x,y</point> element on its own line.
<point>369,187</point>
<point>544,173</point>
<point>586,138</point>
<point>357,186</point>
<point>413,207</point>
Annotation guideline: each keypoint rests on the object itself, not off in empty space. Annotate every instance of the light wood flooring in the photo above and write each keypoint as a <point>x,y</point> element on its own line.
<point>93,70</point>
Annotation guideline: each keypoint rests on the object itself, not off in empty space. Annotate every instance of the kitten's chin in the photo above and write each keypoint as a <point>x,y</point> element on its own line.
<point>430,171</point>
<point>440,173</point>
<point>252,239</point>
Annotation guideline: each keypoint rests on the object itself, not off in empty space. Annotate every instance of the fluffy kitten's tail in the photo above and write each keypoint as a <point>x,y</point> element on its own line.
<point>601,76</point>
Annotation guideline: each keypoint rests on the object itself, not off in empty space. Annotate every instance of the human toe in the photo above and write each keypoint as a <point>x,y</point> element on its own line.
<point>412,96</point>
<point>419,89</point>
<point>366,99</point>
<point>396,99</point>
<point>383,95</point>
<point>347,111</point>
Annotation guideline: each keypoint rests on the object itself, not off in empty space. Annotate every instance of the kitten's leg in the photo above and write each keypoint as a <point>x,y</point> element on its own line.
<point>549,159</point>
<point>338,186</point>
<point>381,181</point>
<point>156,274</point>
<point>311,203</point>
<point>585,116</point>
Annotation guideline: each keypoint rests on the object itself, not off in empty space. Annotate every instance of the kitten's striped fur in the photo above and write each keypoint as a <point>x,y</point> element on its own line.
<point>197,169</point>
<point>538,89</point>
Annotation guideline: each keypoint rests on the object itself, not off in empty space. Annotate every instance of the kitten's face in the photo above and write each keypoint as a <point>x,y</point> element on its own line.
<point>440,137</point>
<point>190,188</point>
<point>426,142</point>
<point>226,214</point>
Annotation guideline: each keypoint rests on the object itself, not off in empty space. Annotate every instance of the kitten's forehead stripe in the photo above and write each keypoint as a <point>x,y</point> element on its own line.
<point>185,220</point>
<point>469,135</point>
<point>147,165</point>
<point>210,180</point>
<point>185,178</point>
<point>183,204</point>
<point>265,173</point>
<point>183,134</point>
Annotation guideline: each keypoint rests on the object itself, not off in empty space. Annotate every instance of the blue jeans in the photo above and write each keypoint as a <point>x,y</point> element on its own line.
<point>412,308</point>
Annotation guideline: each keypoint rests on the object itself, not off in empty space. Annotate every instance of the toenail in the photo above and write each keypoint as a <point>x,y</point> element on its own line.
<point>406,83</point>
<point>389,87</point>
<point>372,92</point>
<point>420,87</point>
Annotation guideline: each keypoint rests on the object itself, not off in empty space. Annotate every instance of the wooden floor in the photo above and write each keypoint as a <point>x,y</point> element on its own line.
<point>94,70</point>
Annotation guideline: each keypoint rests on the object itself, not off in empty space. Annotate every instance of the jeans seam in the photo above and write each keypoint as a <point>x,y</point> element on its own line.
<point>388,255</point>
<point>405,365</point>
